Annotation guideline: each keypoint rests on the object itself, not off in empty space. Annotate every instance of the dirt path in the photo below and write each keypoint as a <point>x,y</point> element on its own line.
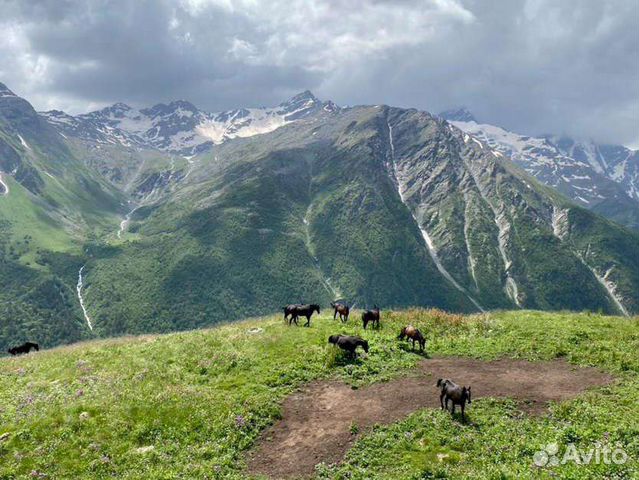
<point>316,421</point>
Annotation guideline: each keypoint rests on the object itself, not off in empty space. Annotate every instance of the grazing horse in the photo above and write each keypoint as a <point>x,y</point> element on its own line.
<point>371,316</point>
<point>453,392</point>
<point>348,343</point>
<point>303,311</point>
<point>411,333</point>
<point>24,348</point>
<point>342,309</point>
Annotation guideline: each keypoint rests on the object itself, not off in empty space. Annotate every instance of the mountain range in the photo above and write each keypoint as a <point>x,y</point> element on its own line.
<point>170,218</point>
<point>602,178</point>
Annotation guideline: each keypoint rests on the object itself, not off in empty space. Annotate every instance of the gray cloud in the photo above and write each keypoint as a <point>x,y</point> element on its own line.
<point>534,66</point>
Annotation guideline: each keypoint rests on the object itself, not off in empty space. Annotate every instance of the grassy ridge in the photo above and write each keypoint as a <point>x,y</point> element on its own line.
<point>189,404</point>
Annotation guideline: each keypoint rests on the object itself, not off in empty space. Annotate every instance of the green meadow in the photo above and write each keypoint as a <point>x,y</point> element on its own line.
<point>192,404</point>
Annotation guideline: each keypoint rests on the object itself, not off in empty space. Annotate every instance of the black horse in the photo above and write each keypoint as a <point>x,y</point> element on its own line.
<point>371,316</point>
<point>24,348</point>
<point>348,343</point>
<point>306,310</point>
<point>289,309</point>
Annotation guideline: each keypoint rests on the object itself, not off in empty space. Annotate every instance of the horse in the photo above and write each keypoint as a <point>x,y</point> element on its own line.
<point>342,309</point>
<point>348,343</point>
<point>24,348</point>
<point>289,309</point>
<point>371,316</point>
<point>303,311</point>
<point>411,333</point>
<point>456,394</point>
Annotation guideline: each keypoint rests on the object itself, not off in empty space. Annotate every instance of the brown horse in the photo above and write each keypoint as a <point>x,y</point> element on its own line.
<point>342,309</point>
<point>411,333</point>
<point>371,316</point>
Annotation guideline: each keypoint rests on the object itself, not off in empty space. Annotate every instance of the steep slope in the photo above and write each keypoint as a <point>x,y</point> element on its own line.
<point>602,178</point>
<point>492,225</point>
<point>304,213</point>
<point>51,203</point>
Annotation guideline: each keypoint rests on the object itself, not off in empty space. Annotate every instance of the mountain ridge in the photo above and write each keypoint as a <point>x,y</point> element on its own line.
<point>602,178</point>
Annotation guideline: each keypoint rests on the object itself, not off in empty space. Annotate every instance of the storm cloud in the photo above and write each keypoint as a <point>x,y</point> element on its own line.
<point>534,66</point>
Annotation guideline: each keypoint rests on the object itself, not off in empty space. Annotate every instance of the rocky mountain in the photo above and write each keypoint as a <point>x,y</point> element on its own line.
<point>301,202</point>
<point>180,127</point>
<point>602,178</point>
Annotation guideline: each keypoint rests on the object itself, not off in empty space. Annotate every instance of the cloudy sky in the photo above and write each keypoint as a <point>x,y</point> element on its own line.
<point>534,66</point>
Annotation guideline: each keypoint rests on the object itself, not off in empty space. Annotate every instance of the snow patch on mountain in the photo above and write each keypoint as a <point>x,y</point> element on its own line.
<point>180,127</point>
<point>430,246</point>
<point>584,171</point>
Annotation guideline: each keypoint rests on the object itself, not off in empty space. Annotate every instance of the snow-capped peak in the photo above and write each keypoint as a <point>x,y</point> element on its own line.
<point>582,170</point>
<point>182,128</point>
<point>459,114</point>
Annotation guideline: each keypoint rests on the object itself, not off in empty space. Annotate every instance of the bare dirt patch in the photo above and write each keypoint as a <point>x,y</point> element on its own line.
<point>316,421</point>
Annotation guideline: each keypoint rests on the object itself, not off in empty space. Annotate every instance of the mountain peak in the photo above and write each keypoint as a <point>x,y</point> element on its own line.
<point>303,98</point>
<point>305,95</point>
<point>5,92</point>
<point>459,114</point>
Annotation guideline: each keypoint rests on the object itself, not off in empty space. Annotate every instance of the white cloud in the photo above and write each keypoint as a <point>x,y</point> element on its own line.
<point>534,66</point>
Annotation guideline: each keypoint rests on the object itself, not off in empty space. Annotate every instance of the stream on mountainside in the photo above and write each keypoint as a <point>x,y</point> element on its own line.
<point>79,290</point>
<point>5,187</point>
<point>125,222</point>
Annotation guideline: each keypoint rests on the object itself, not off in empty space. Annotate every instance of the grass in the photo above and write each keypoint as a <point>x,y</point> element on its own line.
<point>189,405</point>
<point>28,219</point>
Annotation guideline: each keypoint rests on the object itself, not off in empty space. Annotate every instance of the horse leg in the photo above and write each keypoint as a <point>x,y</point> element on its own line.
<point>453,412</point>
<point>335,314</point>
<point>441,399</point>
<point>308,321</point>
<point>463,405</point>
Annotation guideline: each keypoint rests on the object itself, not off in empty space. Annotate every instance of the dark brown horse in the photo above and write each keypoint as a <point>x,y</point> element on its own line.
<point>302,311</point>
<point>289,309</point>
<point>411,333</point>
<point>342,309</point>
<point>456,394</point>
<point>371,316</point>
<point>24,348</point>
<point>348,343</point>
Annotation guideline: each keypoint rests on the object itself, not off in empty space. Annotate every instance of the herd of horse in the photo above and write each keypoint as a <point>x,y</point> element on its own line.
<point>293,311</point>
<point>449,390</point>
